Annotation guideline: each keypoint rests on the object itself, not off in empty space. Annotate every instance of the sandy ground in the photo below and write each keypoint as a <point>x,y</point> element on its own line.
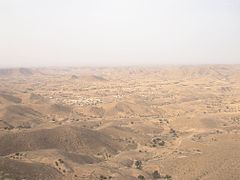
<point>169,122</point>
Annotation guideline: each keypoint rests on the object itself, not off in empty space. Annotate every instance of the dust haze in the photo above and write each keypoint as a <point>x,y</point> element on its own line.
<point>118,33</point>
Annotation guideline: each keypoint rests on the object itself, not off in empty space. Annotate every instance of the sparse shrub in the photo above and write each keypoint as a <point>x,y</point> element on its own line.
<point>168,177</point>
<point>102,177</point>
<point>158,142</point>
<point>61,161</point>
<point>173,132</point>
<point>156,175</point>
<point>138,164</point>
<point>141,177</point>
<point>161,143</point>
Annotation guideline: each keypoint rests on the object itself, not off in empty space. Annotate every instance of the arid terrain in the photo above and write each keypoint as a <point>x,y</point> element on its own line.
<point>166,122</point>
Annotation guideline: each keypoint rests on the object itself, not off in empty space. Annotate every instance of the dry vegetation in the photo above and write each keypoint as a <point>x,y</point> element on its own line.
<point>178,122</point>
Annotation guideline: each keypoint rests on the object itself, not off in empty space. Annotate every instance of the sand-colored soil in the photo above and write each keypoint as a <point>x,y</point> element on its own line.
<point>167,122</point>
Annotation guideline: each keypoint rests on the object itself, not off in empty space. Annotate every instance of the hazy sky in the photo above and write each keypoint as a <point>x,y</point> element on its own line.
<point>118,32</point>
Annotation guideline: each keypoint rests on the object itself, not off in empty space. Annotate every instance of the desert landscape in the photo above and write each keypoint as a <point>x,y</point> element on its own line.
<point>165,122</point>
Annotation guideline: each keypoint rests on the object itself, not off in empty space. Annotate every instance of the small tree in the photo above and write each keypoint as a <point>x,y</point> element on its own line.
<point>156,175</point>
<point>138,164</point>
<point>141,177</point>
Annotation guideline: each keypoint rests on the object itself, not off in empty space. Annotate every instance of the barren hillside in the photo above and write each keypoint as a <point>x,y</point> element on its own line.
<point>166,122</point>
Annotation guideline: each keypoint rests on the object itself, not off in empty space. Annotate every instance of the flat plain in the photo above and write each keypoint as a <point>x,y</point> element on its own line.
<point>166,122</point>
